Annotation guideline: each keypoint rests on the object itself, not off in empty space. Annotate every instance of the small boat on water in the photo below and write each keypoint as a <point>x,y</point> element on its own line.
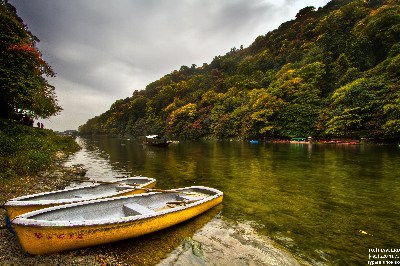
<point>89,223</point>
<point>102,189</point>
<point>302,140</point>
<point>156,141</point>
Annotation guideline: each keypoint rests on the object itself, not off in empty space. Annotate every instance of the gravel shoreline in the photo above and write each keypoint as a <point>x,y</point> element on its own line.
<point>204,240</point>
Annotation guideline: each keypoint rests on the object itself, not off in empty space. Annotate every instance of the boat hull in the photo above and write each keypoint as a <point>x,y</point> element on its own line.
<point>17,207</point>
<point>50,239</point>
<point>159,144</point>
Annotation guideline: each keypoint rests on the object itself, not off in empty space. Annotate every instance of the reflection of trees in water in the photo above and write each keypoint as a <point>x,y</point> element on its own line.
<point>96,161</point>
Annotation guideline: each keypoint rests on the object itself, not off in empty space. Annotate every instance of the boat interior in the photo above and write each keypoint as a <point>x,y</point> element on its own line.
<point>142,204</point>
<point>98,190</point>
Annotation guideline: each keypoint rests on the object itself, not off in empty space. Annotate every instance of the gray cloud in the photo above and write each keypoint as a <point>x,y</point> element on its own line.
<point>104,50</point>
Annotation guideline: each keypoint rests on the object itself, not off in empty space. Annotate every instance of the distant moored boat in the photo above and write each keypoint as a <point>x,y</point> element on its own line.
<point>157,141</point>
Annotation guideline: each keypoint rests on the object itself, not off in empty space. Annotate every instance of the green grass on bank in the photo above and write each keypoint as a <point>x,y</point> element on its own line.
<point>26,150</point>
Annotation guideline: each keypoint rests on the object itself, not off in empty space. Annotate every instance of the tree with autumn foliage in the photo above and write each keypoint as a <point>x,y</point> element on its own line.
<point>23,72</point>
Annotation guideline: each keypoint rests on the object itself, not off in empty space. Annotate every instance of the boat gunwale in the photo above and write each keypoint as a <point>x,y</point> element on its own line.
<point>24,200</point>
<point>25,220</point>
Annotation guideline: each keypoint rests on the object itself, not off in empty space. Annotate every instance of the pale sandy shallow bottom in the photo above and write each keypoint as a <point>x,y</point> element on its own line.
<point>223,243</point>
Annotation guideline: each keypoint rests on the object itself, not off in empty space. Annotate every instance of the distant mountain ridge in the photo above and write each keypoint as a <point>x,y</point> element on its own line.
<point>330,73</point>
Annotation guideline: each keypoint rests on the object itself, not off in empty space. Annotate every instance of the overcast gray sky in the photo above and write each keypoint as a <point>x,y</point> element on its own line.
<point>103,50</point>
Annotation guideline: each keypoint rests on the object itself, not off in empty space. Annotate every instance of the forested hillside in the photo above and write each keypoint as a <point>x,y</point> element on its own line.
<point>332,72</point>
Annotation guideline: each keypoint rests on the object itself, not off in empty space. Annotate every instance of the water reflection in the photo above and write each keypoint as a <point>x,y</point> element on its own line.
<point>97,161</point>
<point>313,199</point>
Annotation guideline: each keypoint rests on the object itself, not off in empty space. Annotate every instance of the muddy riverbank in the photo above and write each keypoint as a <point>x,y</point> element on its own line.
<point>204,240</point>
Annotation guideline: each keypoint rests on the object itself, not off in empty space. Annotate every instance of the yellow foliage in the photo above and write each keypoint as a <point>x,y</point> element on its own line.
<point>296,80</point>
<point>170,107</point>
<point>187,111</point>
<point>320,36</point>
<point>306,45</point>
<point>211,97</point>
<point>182,86</point>
<point>111,120</point>
<point>337,13</point>
<point>376,11</point>
<point>264,53</point>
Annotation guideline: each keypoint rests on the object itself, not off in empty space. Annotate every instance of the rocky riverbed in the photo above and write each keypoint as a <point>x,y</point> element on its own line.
<point>205,240</point>
<point>223,243</point>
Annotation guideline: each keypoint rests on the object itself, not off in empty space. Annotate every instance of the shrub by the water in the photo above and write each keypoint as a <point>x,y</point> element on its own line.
<point>26,150</point>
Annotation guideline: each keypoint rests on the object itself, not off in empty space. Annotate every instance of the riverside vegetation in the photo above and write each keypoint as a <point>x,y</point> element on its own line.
<point>332,72</point>
<point>27,150</point>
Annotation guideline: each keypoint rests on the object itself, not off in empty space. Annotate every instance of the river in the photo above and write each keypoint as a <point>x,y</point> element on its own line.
<point>326,204</point>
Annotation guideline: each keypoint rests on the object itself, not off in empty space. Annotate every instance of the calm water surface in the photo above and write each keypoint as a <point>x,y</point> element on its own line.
<point>327,204</point>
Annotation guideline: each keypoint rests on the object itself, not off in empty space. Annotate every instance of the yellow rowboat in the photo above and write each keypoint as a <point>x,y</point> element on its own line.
<point>122,187</point>
<point>89,223</point>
